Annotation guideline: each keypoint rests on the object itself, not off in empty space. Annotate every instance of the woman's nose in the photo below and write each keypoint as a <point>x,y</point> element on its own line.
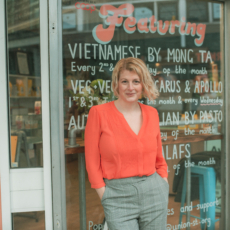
<point>130,86</point>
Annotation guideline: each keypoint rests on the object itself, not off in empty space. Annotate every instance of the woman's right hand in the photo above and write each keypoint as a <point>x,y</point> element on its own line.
<point>100,192</point>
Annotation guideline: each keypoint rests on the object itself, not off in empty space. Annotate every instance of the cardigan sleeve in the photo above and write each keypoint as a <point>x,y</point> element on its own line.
<point>92,153</point>
<point>161,165</point>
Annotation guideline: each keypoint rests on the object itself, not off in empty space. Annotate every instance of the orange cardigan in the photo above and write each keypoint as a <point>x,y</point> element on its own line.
<point>113,150</point>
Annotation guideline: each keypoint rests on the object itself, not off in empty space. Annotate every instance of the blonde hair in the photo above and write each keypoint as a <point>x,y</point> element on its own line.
<point>137,65</point>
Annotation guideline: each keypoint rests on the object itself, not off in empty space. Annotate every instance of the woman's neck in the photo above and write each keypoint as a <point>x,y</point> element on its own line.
<point>126,107</point>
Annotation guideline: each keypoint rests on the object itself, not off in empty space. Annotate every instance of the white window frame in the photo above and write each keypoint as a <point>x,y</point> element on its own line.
<point>4,131</point>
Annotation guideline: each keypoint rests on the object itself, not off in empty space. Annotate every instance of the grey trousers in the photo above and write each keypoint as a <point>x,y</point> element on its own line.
<point>136,203</point>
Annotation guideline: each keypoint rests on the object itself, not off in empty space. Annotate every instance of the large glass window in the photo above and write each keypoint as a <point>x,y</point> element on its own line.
<point>184,56</point>
<point>24,83</point>
<point>24,78</point>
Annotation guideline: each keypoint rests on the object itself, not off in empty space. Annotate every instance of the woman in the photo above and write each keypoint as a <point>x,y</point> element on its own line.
<point>124,153</point>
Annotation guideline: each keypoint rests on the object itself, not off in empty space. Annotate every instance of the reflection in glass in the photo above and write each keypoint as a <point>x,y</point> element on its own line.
<point>186,65</point>
<point>29,220</point>
<point>197,11</point>
<point>24,83</point>
<point>167,10</point>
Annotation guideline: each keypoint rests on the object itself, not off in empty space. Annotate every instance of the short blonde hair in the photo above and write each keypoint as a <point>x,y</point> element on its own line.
<point>137,65</point>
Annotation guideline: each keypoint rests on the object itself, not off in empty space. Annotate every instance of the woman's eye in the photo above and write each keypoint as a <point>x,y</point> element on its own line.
<point>136,82</point>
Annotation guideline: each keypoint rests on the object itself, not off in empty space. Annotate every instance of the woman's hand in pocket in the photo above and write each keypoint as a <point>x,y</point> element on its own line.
<point>100,192</point>
<point>165,178</point>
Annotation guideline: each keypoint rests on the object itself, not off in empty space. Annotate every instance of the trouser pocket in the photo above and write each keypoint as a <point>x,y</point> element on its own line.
<point>165,182</point>
<point>104,194</point>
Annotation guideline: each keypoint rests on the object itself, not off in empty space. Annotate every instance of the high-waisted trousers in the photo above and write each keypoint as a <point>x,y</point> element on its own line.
<point>136,203</point>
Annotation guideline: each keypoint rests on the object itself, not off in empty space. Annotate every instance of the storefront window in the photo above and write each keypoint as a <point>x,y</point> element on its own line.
<point>24,77</point>
<point>184,56</point>
<point>24,87</point>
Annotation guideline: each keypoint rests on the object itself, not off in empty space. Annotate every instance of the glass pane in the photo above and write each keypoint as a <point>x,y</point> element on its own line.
<point>185,58</point>
<point>197,11</point>
<point>167,10</point>
<point>29,220</point>
<point>24,83</point>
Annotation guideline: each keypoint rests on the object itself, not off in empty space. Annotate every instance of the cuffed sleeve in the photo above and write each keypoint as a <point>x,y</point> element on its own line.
<point>92,153</point>
<point>161,165</point>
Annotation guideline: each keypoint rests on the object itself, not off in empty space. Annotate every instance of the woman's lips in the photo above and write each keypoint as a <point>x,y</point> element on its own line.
<point>130,94</point>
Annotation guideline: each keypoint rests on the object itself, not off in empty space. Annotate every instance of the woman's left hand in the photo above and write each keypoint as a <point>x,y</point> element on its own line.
<point>165,178</point>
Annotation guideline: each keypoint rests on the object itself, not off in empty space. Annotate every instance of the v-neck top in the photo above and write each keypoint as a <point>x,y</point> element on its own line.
<point>113,150</point>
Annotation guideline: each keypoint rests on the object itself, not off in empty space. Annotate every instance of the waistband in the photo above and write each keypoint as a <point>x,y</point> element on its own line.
<point>127,180</point>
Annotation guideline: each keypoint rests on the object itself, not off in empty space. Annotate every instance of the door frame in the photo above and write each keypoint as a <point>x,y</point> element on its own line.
<point>8,174</point>
<point>56,112</point>
<point>226,193</point>
<point>46,133</point>
<point>4,123</point>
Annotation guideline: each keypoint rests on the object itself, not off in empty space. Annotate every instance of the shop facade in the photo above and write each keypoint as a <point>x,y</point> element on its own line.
<point>57,59</point>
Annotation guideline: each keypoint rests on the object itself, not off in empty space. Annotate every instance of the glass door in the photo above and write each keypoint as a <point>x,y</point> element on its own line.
<point>181,43</point>
<point>25,159</point>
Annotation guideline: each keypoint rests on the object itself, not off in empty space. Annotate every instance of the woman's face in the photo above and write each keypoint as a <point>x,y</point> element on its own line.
<point>129,86</point>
